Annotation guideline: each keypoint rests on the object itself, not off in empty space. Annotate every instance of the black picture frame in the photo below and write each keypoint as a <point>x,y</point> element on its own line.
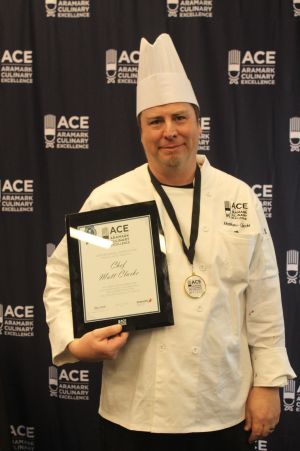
<point>102,218</point>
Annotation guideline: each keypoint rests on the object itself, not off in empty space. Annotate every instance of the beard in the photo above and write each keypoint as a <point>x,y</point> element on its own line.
<point>173,162</point>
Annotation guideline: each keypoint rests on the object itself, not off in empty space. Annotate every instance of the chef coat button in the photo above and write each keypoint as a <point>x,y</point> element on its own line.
<point>162,347</point>
<point>208,193</point>
<point>195,350</point>
<point>205,229</point>
<point>202,267</point>
<point>199,308</point>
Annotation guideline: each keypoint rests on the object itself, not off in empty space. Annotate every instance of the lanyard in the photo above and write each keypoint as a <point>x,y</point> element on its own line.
<point>189,252</point>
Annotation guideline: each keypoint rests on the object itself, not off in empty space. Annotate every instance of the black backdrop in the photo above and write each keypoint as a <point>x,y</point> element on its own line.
<point>67,124</point>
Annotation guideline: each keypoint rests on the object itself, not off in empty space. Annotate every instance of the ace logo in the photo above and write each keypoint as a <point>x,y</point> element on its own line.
<point>64,132</point>
<point>122,69</point>
<point>17,56</point>
<point>16,195</point>
<point>251,68</point>
<point>69,384</point>
<point>17,186</point>
<point>16,66</point>
<point>22,437</point>
<point>17,321</point>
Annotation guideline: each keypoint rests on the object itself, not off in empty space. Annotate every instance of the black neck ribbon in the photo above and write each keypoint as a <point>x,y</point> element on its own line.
<point>189,252</point>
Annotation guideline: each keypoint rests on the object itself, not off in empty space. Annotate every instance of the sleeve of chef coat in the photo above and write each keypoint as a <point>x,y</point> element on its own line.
<point>57,300</point>
<point>264,316</point>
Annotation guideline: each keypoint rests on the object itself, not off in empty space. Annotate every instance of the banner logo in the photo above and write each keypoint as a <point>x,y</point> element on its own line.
<point>121,69</point>
<point>50,130</point>
<point>16,196</point>
<point>68,384</point>
<point>22,437</point>
<point>17,321</point>
<point>296,7</point>
<point>68,9</point>
<point>251,68</point>
<point>291,397</point>
<point>292,266</point>
<point>265,195</point>
<point>294,135</point>
<point>66,132</point>
<point>190,8</point>
<point>234,66</point>
<point>16,66</point>
<point>111,65</point>
<point>204,140</point>
<point>53,381</point>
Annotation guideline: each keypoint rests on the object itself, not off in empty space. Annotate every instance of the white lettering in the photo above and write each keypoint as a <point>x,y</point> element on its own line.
<point>18,186</point>
<point>132,58</point>
<point>205,123</point>
<point>259,57</point>
<point>17,56</point>
<point>74,375</point>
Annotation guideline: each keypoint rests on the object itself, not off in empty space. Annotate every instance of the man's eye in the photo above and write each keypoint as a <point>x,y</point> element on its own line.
<point>155,122</point>
<point>180,118</point>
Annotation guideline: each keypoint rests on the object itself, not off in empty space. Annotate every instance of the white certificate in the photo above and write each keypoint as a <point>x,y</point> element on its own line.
<point>119,280</point>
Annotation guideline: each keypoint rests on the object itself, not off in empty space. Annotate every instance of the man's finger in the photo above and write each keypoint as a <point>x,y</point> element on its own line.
<point>256,432</point>
<point>248,421</point>
<point>106,332</point>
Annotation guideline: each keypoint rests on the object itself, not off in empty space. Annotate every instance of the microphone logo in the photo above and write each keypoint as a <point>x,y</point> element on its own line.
<point>105,232</point>
<point>227,208</point>
<point>296,6</point>
<point>172,8</point>
<point>111,65</point>
<point>234,66</point>
<point>51,6</point>
<point>50,130</point>
<point>289,395</point>
<point>53,381</point>
<point>292,266</point>
<point>295,134</point>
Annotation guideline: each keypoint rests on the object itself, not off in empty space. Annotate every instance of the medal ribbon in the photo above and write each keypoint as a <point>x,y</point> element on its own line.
<point>189,252</point>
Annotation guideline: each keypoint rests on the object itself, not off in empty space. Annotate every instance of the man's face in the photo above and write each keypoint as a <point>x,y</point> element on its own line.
<point>170,135</point>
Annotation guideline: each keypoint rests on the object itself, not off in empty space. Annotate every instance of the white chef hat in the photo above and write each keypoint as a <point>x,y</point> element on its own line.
<point>161,75</point>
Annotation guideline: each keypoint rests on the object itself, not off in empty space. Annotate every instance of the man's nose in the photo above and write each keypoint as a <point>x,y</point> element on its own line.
<point>170,130</point>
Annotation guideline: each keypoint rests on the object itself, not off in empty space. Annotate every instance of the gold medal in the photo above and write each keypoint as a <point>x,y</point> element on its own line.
<point>194,286</point>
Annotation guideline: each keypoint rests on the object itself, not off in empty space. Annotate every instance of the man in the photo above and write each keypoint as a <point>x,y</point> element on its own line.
<point>191,385</point>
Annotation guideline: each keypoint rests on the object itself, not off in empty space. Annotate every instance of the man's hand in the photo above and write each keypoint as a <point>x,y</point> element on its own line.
<point>262,411</point>
<point>100,344</point>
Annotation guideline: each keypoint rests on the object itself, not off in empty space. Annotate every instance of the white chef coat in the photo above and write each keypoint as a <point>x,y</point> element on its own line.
<point>194,376</point>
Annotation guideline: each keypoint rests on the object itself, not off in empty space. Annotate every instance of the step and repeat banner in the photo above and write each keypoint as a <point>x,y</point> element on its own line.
<point>68,71</point>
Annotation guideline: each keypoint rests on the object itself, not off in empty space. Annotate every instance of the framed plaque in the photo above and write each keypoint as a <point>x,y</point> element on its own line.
<point>118,268</point>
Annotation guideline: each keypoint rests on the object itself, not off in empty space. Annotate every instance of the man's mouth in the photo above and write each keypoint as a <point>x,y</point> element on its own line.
<point>171,147</point>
